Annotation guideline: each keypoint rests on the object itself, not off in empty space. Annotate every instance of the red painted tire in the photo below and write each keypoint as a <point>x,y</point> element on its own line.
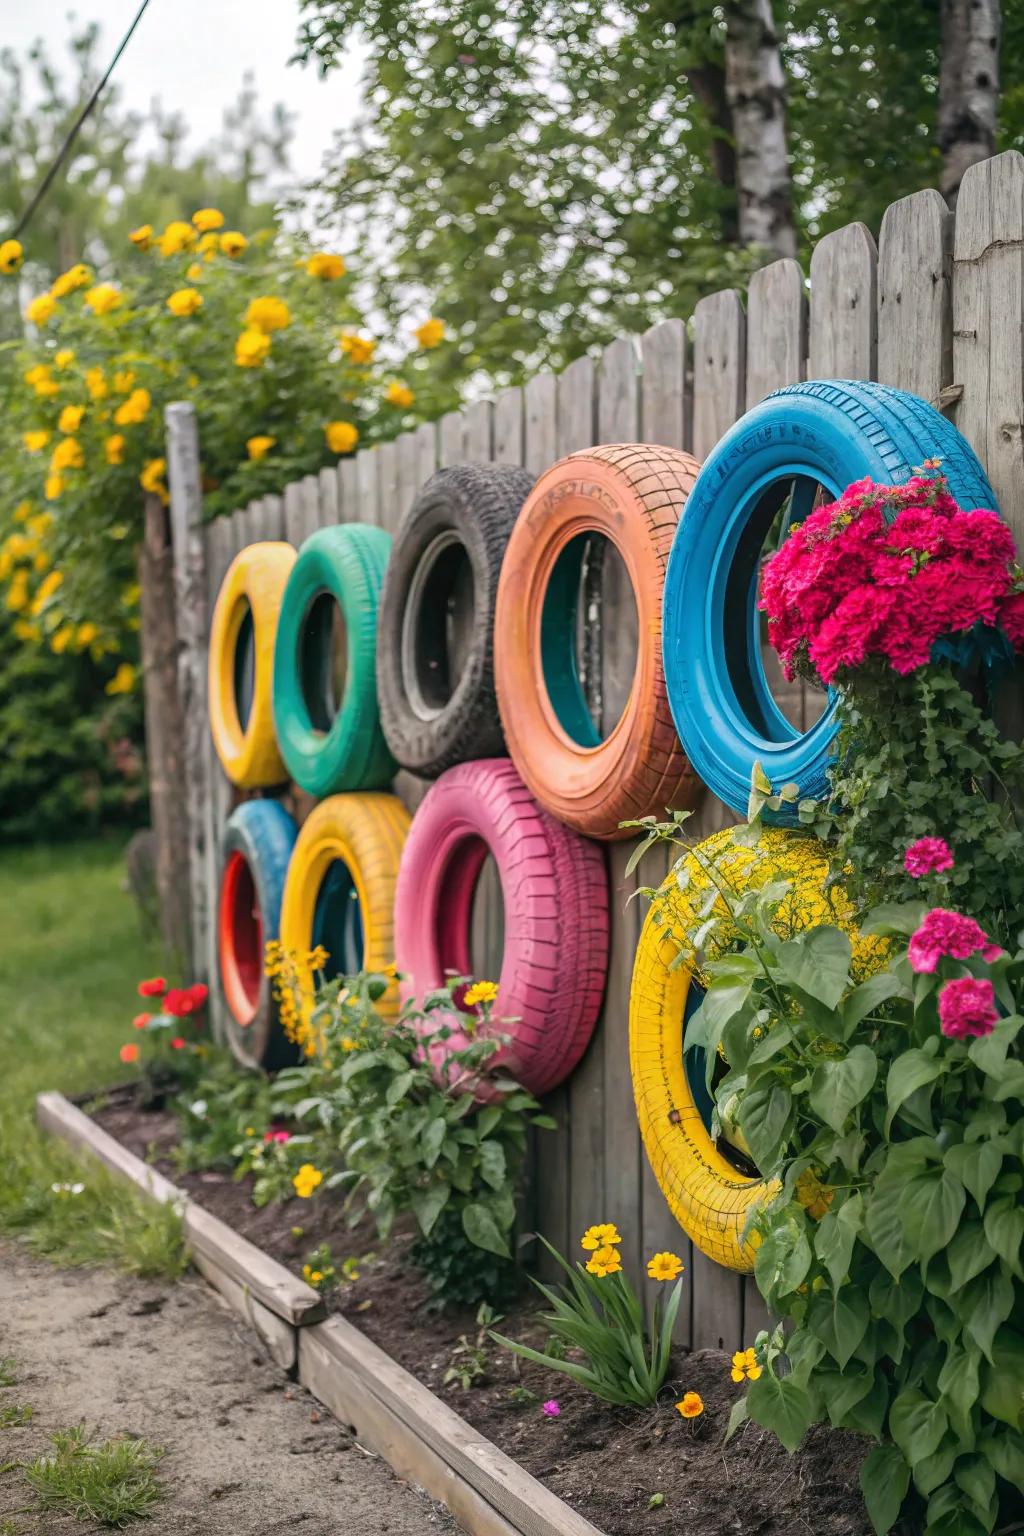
<point>555,894</point>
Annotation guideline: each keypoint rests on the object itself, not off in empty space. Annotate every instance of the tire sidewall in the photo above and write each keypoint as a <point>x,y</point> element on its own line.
<point>264,834</point>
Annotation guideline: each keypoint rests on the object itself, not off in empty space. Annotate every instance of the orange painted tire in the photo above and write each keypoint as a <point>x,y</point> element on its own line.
<point>633,494</point>
<point>241,666</point>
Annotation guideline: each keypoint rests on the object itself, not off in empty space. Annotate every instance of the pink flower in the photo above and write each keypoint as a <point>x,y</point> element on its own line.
<point>949,934</point>
<point>1011,619</point>
<point>282,1136</point>
<point>178,1044</point>
<point>550,1409</point>
<point>967,1007</point>
<point>929,855</point>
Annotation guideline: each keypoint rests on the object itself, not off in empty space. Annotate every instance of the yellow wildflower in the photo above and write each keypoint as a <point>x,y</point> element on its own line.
<point>430,334</point>
<point>96,383</point>
<point>114,447</point>
<point>178,236</point>
<point>325,266</point>
<point>63,358</point>
<point>185,301</point>
<point>123,680</point>
<point>61,639</point>
<point>307,1180</point>
<point>745,1366</point>
<point>134,408</point>
<point>480,992</point>
<point>605,1233</point>
<point>130,595</point>
<point>358,349</point>
<point>142,237</point>
<point>813,1195</point>
<point>75,277</point>
<point>267,314</point>
<point>399,394</point>
<point>605,1261</point>
<point>41,308</point>
<point>258,447</point>
<point>193,272</point>
<point>67,455</point>
<point>123,381</point>
<point>232,243</point>
<point>341,436</point>
<point>21,511</point>
<point>206,219</point>
<point>40,525</point>
<point>152,479</point>
<point>11,256</point>
<point>71,418</point>
<point>208,245</point>
<point>348,1044</point>
<point>690,1405</point>
<point>53,485</point>
<point>103,298</point>
<point>85,634</point>
<point>41,561</point>
<point>47,587</point>
<point>17,592</point>
<point>35,442</point>
<point>664,1266</point>
<point>27,631</point>
<point>251,348</point>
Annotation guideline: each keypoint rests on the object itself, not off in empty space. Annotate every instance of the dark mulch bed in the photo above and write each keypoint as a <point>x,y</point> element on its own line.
<point>607,1462</point>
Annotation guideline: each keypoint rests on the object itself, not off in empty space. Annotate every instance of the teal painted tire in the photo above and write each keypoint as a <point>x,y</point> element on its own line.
<point>325,660</point>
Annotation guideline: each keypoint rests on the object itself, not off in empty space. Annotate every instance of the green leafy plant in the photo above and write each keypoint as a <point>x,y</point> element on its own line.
<point>222,1111</point>
<point>112,1483</point>
<point>599,1313</point>
<point>469,1359</point>
<point>15,1415</point>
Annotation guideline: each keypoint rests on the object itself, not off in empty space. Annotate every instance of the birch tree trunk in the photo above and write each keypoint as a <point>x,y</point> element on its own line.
<point>165,731</point>
<point>756,90</point>
<point>968,87</point>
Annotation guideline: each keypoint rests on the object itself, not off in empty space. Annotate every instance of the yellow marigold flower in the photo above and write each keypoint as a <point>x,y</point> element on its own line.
<point>123,381</point>
<point>123,680</point>
<point>47,587</point>
<point>193,272</point>
<point>61,639</point>
<point>152,479</point>
<point>21,511</point>
<point>17,593</point>
<point>399,394</point>
<point>142,237</point>
<point>41,309</point>
<point>71,418</point>
<point>35,442</point>
<point>208,245</point>
<point>358,349</point>
<point>36,374</point>
<point>664,1266</point>
<point>185,301</point>
<point>430,334</point>
<point>27,631</point>
<point>348,1044</point>
<point>259,447</point>
<point>206,219</point>
<point>134,408</point>
<point>251,348</point>
<point>690,1405</point>
<point>813,1195</point>
<point>605,1261</point>
<point>114,447</point>
<point>232,243</point>
<point>53,485</point>
<point>307,1180</point>
<point>341,436</point>
<point>745,1366</point>
<point>40,525</point>
<point>75,277</point>
<point>604,1234</point>
<point>86,633</point>
<point>67,455</point>
<point>178,236</point>
<point>63,358</point>
<point>11,256</point>
<point>96,384</point>
<point>47,388</point>
<point>480,992</point>
<point>103,298</point>
<point>41,561</point>
<point>267,314</point>
<point>324,265</point>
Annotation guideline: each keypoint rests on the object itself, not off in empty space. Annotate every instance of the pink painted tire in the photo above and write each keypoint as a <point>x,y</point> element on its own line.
<point>555,894</point>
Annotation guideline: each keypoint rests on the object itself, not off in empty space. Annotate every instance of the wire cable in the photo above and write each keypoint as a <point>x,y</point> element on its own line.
<point>65,148</point>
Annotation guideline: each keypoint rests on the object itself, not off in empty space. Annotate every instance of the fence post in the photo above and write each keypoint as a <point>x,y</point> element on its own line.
<point>190,603</point>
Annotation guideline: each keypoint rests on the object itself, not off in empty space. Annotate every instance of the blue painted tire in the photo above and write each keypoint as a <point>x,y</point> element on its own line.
<point>258,842</point>
<point>830,432</point>
<point>329,744</point>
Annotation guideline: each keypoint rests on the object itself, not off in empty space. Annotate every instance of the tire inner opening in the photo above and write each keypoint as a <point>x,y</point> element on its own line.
<point>338,922</point>
<point>242,953</point>
<point>589,638</point>
<point>470,920</point>
<point>323,660</point>
<point>695,1065</point>
<point>244,668</point>
<point>438,626</point>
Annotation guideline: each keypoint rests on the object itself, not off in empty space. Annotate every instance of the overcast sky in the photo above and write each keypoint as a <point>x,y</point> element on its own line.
<point>193,55</point>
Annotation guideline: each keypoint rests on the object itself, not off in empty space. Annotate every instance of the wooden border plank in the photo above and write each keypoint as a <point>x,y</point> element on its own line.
<point>58,1116</point>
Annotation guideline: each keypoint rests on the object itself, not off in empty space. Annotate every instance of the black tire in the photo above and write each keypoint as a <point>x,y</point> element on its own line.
<point>435,638</point>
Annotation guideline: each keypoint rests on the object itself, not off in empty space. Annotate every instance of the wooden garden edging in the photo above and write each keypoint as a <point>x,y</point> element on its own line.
<point>392,1413</point>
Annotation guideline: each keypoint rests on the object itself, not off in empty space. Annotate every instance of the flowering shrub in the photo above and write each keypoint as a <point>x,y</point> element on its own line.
<point>259,331</point>
<point>166,1049</point>
<point>913,609</point>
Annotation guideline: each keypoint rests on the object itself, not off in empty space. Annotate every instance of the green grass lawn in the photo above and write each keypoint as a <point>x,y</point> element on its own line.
<point>71,955</point>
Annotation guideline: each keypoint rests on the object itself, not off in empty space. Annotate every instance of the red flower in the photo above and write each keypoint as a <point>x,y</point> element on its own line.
<point>155,987</point>
<point>180,1002</point>
<point>967,1007</point>
<point>129,1053</point>
<point>200,992</point>
<point>178,1044</point>
<point>141,1020</point>
<point>929,855</point>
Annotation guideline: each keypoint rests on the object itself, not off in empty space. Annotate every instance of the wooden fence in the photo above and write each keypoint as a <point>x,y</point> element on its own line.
<point>935,308</point>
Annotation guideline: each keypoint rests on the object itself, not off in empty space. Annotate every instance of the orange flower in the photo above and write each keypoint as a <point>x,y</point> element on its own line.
<point>141,1020</point>
<point>155,987</point>
<point>129,1053</point>
<point>690,1405</point>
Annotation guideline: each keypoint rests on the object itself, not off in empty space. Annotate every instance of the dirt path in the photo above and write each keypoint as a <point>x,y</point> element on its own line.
<point>248,1453</point>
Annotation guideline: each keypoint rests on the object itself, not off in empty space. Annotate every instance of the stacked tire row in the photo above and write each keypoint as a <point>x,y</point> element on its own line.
<point>464,655</point>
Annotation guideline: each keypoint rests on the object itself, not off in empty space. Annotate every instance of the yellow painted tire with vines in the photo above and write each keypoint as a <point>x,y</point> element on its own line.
<point>241,668</point>
<point>710,1187</point>
<point>339,892</point>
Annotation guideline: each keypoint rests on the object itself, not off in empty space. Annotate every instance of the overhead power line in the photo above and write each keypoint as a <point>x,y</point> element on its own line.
<point>65,148</point>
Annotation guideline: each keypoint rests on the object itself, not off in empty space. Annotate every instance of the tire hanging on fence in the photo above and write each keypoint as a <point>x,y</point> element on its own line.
<point>763,477</point>
<point>555,896</point>
<point>340,889</point>
<point>258,842</point>
<point>325,683</point>
<point>710,1184</point>
<point>241,665</point>
<point>435,669</point>
<point>633,495</point>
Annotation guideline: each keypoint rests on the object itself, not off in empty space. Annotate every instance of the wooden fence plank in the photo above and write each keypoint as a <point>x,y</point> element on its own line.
<point>915,311</point>
<point>576,407</point>
<point>478,439</point>
<point>428,447</point>
<point>348,489</point>
<point>776,328</point>
<point>367,485</point>
<point>329,496</point>
<point>294,514</point>
<point>663,385</point>
<point>452,439</point>
<point>843,305</point>
<point>988,296</point>
<point>388,508</point>
<point>409,484</point>
<point>541,423</point>
<point>719,364</point>
<point>309,487</point>
<point>273,517</point>
<point>509,427</point>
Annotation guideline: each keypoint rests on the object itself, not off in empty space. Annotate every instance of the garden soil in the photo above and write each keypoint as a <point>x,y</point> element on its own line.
<point>609,1463</point>
<point>247,1451</point>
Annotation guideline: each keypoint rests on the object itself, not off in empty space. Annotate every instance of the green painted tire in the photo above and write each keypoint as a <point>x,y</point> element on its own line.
<point>325,686</point>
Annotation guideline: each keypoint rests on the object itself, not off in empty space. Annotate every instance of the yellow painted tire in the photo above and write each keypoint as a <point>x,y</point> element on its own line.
<point>708,1195</point>
<point>250,592</point>
<point>360,837</point>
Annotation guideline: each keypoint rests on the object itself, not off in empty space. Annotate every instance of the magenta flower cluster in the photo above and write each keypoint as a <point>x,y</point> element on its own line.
<point>948,935</point>
<point>884,572</point>
<point>928,856</point>
<point>967,1007</point>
